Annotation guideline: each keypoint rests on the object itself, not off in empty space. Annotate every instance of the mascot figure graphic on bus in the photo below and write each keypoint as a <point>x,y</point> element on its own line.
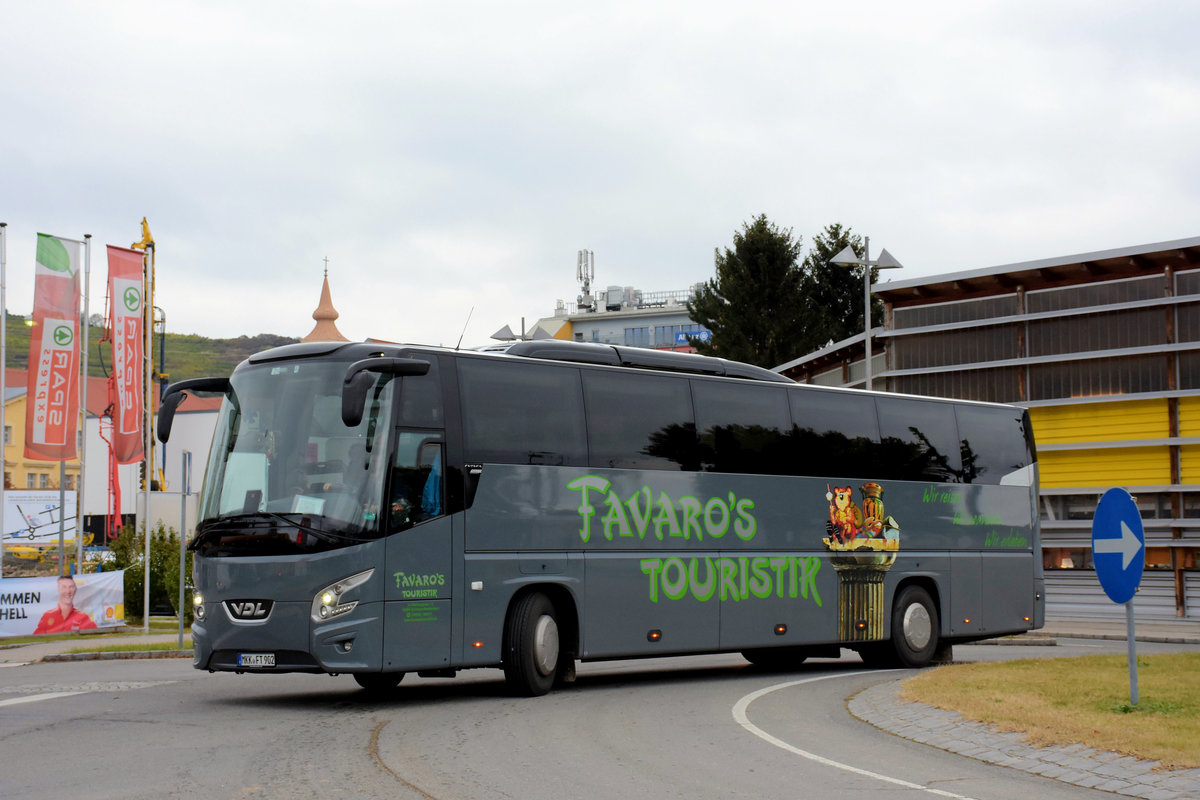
<point>864,541</point>
<point>853,528</point>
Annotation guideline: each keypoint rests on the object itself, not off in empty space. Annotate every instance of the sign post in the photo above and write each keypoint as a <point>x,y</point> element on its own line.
<point>1119,553</point>
<point>185,489</point>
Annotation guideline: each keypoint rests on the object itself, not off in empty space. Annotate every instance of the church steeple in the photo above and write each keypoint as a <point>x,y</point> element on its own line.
<point>325,329</point>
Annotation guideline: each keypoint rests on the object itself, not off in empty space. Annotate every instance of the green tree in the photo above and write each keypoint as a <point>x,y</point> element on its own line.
<point>835,291</point>
<point>754,306</point>
<point>129,551</point>
<point>765,307</point>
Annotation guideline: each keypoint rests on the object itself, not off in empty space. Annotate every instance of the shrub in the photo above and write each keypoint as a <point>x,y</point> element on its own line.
<point>129,551</point>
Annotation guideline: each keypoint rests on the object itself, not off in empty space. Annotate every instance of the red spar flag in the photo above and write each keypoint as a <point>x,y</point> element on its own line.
<point>126,321</point>
<point>52,406</point>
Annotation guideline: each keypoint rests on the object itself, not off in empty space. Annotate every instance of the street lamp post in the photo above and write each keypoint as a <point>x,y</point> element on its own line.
<point>848,258</point>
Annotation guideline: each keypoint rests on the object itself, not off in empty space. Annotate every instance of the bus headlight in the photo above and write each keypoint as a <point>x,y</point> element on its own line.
<point>198,607</point>
<point>329,602</point>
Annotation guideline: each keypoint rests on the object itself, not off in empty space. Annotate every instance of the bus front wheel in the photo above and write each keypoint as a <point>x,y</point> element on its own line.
<point>531,646</point>
<point>378,682</point>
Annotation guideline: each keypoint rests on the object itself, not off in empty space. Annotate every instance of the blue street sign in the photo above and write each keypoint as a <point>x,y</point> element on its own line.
<point>1118,545</point>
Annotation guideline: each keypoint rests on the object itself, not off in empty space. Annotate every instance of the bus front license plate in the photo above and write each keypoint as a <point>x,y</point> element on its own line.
<point>256,659</point>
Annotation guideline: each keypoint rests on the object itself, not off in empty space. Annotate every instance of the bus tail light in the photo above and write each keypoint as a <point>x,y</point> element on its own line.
<point>329,602</point>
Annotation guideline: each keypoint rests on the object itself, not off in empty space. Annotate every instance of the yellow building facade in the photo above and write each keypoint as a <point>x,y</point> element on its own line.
<point>19,471</point>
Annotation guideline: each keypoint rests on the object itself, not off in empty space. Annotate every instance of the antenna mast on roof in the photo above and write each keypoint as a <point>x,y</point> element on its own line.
<point>585,273</point>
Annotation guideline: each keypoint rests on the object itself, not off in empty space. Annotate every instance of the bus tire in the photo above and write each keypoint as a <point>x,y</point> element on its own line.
<point>378,682</point>
<point>914,627</point>
<point>776,658</point>
<point>532,647</point>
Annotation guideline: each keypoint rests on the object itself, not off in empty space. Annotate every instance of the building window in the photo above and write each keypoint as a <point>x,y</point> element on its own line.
<point>44,481</point>
<point>637,337</point>
<point>1067,558</point>
<point>69,483</point>
<point>1128,290</point>
<point>30,481</point>
<point>664,335</point>
<point>8,434</point>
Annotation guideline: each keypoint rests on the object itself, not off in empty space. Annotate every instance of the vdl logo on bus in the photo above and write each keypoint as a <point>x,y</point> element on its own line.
<point>249,610</point>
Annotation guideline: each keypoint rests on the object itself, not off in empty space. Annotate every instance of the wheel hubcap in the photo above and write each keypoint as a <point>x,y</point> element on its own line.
<point>545,645</point>
<point>918,628</point>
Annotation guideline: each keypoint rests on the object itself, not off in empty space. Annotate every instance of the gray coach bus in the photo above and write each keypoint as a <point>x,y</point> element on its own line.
<point>380,509</point>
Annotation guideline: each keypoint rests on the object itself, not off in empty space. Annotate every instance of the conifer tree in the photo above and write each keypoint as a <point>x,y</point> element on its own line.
<point>836,291</point>
<point>765,307</point>
<point>754,304</point>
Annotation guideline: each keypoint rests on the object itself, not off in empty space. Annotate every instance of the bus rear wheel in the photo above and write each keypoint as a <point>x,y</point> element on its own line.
<point>378,682</point>
<point>532,647</point>
<point>914,639</point>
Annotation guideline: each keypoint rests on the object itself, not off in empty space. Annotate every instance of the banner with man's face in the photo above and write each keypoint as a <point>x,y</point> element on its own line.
<point>61,605</point>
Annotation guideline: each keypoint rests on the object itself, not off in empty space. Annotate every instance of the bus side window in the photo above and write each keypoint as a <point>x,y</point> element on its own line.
<point>995,448</point>
<point>415,486</point>
<point>918,440</point>
<point>835,434</point>
<point>741,425</point>
<point>639,421</point>
<point>522,413</point>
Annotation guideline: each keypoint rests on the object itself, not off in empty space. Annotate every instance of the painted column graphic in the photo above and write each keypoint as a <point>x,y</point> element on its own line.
<point>865,542</point>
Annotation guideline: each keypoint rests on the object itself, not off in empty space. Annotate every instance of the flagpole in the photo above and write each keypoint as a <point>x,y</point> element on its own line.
<point>148,443</point>
<point>3,374</point>
<point>87,292</point>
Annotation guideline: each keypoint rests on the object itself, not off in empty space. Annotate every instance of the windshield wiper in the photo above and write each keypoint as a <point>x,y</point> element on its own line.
<point>264,519</point>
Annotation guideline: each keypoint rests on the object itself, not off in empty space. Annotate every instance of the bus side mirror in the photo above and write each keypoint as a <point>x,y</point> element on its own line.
<point>358,382</point>
<point>175,395</point>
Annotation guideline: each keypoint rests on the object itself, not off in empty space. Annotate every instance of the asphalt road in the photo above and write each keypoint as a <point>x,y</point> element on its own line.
<point>665,728</point>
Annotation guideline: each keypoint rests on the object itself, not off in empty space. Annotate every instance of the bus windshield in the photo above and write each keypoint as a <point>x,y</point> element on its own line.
<point>285,474</point>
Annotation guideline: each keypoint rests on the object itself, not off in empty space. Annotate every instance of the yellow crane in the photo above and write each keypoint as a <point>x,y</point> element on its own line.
<point>146,245</point>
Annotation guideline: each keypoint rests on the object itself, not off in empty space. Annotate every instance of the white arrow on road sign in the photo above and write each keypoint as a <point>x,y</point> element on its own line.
<point>1127,545</point>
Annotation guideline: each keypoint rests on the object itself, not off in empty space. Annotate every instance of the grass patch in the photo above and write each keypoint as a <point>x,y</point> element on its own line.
<point>130,629</point>
<point>1084,700</point>
<point>61,637</point>
<point>134,648</point>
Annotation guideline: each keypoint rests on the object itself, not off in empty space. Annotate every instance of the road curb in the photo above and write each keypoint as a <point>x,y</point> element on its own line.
<point>880,705</point>
<point>1113,637</point>
<point>117,655</point>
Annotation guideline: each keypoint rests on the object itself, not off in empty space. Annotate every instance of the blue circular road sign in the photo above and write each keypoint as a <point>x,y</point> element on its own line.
<point>1118,545</point>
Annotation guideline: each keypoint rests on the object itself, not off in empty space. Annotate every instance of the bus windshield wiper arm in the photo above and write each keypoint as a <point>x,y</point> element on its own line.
<point>308,527</point>
<point>265,519</point>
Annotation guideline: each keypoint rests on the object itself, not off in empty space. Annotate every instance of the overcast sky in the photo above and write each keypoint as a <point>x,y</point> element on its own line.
<point>450,156</point>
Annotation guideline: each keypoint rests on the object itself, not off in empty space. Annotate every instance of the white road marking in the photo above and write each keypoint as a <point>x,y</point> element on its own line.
<point>33,698</point>
<point>739,715</point>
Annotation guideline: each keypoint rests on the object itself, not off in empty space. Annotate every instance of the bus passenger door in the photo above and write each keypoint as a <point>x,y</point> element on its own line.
<point>417,618</point>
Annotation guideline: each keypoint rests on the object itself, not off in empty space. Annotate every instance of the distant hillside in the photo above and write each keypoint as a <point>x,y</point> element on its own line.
<point>188,355</point>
